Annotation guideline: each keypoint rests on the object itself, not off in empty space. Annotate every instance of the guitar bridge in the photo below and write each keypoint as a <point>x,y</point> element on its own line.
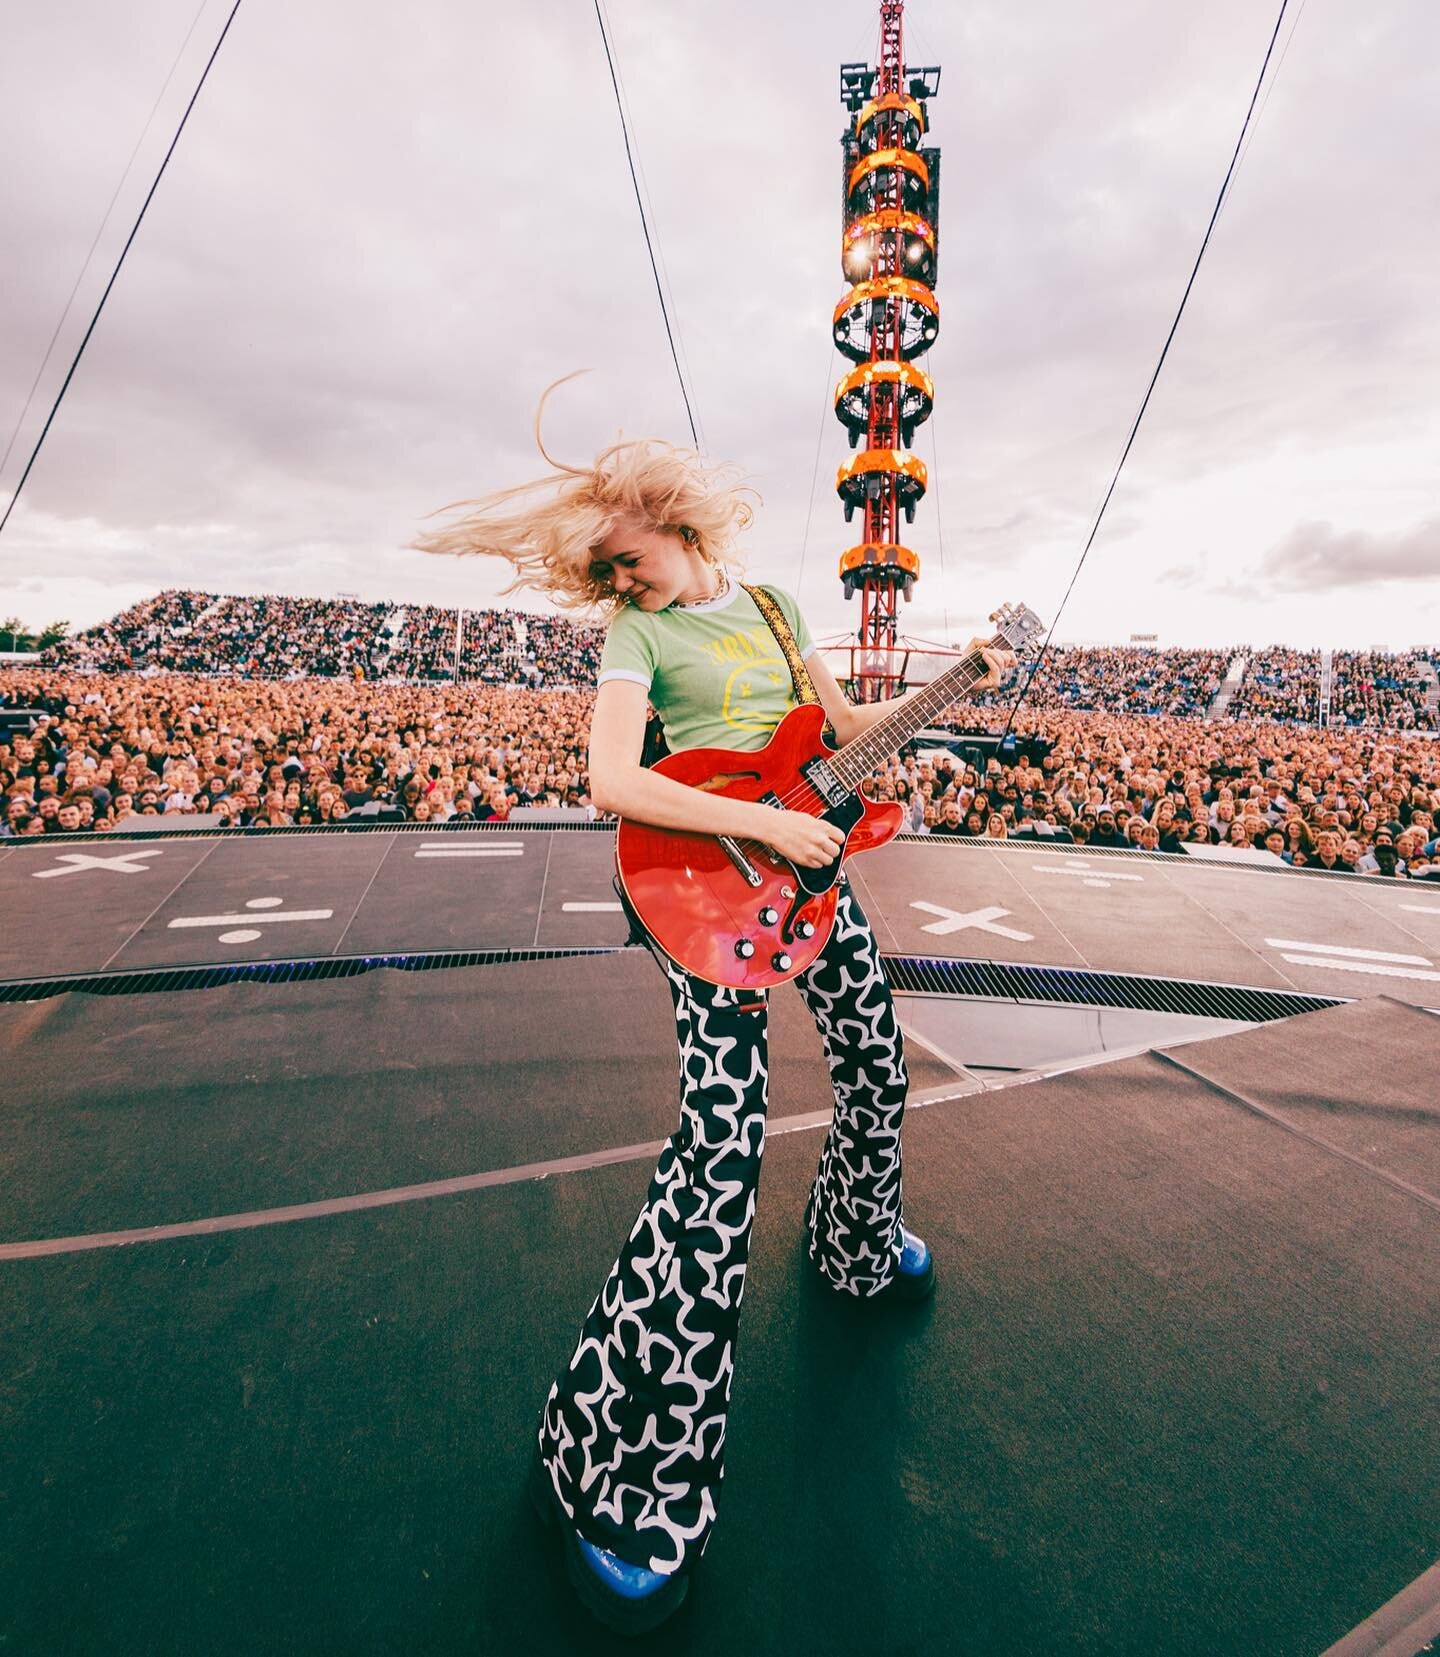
<point>731,848</point>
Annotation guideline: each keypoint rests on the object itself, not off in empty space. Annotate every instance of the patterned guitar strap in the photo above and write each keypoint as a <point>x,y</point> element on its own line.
<point>775,616</point>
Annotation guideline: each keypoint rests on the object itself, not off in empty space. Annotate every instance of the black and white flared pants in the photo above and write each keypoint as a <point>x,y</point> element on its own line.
<point>633,1431</point>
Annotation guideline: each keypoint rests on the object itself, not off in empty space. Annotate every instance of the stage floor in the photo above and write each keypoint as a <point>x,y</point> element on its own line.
<point>113,906</point>
<point>1177,1391</point>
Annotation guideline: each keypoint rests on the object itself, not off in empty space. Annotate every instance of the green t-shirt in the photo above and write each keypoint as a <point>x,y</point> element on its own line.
<point>715,672</point>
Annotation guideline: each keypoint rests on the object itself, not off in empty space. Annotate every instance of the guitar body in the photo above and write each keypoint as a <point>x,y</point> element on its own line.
<point>703,904</point>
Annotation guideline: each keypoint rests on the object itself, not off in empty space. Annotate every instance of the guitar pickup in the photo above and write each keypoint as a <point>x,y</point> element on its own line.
<point>824,781</point>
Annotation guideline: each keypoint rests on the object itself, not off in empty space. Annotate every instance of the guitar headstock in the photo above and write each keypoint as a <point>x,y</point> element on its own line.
<point>1019,626</point>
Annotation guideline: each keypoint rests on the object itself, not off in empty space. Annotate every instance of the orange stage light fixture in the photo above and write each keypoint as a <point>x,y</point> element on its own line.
<point>890,255</point>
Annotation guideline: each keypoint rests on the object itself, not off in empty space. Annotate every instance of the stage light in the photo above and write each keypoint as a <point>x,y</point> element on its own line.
<point>893,266</point>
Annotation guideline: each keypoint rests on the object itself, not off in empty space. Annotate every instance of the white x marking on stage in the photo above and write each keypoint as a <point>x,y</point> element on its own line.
<point>123,863</point>
<point>982,920</point>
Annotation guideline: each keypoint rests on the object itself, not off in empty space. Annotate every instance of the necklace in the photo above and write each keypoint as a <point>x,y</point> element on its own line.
<point>720,592</point>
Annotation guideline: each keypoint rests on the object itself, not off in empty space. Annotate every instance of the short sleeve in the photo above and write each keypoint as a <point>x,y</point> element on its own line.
<point>792,614</point>
<point>628,651</point>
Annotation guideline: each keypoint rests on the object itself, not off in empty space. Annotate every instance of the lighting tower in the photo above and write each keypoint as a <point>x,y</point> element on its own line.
<point>889,254</point>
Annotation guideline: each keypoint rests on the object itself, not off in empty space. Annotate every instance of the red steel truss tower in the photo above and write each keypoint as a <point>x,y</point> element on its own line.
<point>889,315</point>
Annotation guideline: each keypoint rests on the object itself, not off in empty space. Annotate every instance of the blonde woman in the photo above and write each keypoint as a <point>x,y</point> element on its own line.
<point>630,1445</point>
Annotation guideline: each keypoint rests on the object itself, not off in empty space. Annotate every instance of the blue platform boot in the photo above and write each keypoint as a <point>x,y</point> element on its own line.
<point>626,1598</point>
<point>914,1278</point>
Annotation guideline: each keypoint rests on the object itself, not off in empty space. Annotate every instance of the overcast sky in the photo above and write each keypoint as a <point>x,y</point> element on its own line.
<point>386,228</point>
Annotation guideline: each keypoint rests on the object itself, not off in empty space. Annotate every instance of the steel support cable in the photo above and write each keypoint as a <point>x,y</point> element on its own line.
<point>1265,101</point>
<point>140,218</point>
<point>660,252</point>
<point>1145,401</point>
<point>645,223</point>
<point>90,252</point>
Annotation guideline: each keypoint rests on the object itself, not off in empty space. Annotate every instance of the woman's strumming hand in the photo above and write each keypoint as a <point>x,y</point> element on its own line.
<point>800,838</point>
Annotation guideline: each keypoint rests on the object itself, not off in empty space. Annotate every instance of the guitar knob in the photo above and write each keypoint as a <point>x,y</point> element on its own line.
<point>805,929</point>
<point>768,917</point>
<point>781,962</point>
<point>744,949</point>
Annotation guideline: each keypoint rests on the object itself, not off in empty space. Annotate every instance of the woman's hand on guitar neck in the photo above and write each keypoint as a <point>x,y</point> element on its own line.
<point>800,838</point>
<point>1001,663</point>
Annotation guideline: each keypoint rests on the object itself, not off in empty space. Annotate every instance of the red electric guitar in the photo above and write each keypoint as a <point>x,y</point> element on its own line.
<point>735,912</point>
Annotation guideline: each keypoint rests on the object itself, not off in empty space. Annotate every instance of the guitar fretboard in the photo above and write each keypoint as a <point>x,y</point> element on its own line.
<point>859,757</point>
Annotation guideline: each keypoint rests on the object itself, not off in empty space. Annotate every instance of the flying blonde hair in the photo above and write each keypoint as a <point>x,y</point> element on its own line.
<point>551,543</point>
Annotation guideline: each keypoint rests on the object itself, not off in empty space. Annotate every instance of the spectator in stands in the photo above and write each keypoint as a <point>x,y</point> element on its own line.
<point>1370,862</point>
<point>949,822</point>
<point>1327,853</point>
<point>1106,832</point>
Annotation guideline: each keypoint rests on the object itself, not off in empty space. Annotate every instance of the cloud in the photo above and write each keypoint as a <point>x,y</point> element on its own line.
<point>1318,557</point>
<point>1182,575</point>
<point>370,253</point>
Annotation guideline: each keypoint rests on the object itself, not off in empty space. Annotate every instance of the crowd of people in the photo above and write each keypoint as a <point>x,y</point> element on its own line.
<point>254,638</point>
<point>288,638</point>
<point>1279,683</point>
<point>563,653</point>
<point>1128,679</point>
<point>423,646</point>
<point>1378,687</point>
<point>1351,801</point>
<point>144,632</point>
<point>106,749</point>
<point>98,751</point>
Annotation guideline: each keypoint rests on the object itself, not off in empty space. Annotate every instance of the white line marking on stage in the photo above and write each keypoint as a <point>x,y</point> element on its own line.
<point>124,863</point>
<point>1401,1627</point>
<point>589,908</point>
<point>40,1247</point>
<point>1420,909</point>
<point>253,917</point>
<point>1350,954</point>
<point>982,920</point>
<point>1377,968</point>
<point>471,851</point>
<point>1081,868</point>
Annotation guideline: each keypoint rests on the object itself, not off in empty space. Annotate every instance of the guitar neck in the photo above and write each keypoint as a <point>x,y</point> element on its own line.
<point>859,757</point>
